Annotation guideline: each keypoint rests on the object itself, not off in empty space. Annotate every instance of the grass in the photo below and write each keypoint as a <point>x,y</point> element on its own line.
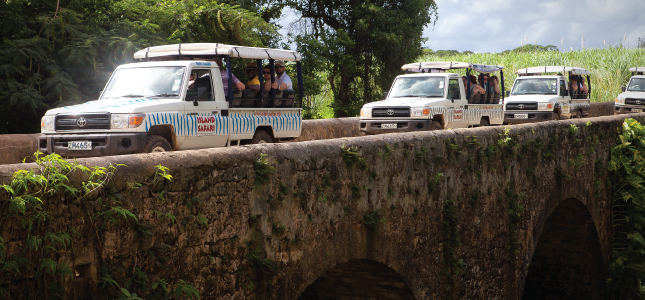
<point>609,70</point>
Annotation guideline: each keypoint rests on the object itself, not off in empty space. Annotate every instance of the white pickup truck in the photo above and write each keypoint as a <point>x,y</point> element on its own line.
<point>431,99</point>
<point>175,100</point>
<point>632,99</point>
<point>537,96</point>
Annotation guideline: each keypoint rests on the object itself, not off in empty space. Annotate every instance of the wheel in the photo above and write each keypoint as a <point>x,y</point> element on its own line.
<point>556,117</point>
<point>579,114</point>
<point>484,122</point>
<point>156,143</point>
<point>435,126</point>
<point>261,137</point>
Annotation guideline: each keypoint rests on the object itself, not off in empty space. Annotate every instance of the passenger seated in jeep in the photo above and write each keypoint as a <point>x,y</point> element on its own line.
<point>579,88</point>
<point>268,85</point>
<point>222,71</point>
<point>252,73</point>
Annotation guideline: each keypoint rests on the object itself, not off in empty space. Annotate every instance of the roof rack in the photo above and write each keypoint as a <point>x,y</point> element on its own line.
<point>215,49</point>
<point>637,69</point>
<point>552,69</point>
<point>449,65</point>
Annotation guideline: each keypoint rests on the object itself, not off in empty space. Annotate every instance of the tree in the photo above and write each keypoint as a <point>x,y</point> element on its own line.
<point>56,53</point>
<point>361,44</point>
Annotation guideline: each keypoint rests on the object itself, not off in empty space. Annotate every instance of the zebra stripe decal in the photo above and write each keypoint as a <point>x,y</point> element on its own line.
<point>245,122</point>
<point>238,123</point>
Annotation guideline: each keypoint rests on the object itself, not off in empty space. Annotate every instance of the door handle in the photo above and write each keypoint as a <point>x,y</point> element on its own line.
<point>192,114</point>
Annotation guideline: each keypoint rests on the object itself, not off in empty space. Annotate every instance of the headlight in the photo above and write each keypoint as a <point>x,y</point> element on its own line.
<point>542,106</point>
<point>47,123</point>
<point>366,112</point>
<point>120,121</point>
<point>620,101</point>
<point>419,112</point>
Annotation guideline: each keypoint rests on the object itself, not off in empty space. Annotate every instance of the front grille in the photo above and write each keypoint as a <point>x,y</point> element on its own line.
<point>92,122</point>
<point>635,101</point>
<point>522,106</point>
<point>391,112</point>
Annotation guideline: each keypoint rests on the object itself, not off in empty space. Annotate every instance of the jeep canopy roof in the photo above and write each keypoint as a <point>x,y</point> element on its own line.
<point>553,69</point>
<point>216,49</point>
<point>637,69</point>
<point>449,65</point>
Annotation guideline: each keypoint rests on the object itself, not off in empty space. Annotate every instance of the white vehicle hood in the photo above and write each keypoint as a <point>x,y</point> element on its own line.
<point>118,105</point>
<point>533,98</point>
<point>624,95</point>
<point>406,101</point>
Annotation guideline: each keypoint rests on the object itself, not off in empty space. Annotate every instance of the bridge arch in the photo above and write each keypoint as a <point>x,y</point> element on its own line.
<point>567,262</point>
<point>359,279</point>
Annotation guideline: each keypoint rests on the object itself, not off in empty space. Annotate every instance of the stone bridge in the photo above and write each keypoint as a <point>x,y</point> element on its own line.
<point>520,212</point>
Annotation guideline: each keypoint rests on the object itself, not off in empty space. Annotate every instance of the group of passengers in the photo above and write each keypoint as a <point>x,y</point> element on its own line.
<point>483,87</point>
<point>579,89</point>
<point>282,80</point>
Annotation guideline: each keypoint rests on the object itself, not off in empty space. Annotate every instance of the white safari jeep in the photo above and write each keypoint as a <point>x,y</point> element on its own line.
<point>175,100</point>
<point>431,99</point>
<point>632,99</point>
<point>537,96</point>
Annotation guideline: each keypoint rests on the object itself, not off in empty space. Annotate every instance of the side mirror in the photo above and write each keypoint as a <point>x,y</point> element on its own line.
<point>623,88</point>
<point>508,93</point>
<point>384,95</point>
<point>195,103</point>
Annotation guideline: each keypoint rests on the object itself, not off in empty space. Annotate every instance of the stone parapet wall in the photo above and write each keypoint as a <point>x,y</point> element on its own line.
<point>387,201</point>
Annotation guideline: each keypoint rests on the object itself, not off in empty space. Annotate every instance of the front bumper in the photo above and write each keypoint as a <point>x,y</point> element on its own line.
<point>402,125</point>
<point>626,109</point>
<point>102,144</point>
<point>534,116</point>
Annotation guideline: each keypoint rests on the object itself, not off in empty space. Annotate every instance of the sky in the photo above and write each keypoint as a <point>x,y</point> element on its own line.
<point>498,25</point>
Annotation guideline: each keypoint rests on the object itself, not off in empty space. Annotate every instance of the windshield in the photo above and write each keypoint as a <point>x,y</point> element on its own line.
<point>637,85</point>
<point>417,87</point>
<point>154,82</point>
<point>535,86</point>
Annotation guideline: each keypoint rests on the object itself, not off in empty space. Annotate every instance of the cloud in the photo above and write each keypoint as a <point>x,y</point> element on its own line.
<point>497,25</point>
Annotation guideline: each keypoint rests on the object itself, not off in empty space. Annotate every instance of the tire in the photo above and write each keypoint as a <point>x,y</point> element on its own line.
<point>261,137</point>
<point>484,122</point>
<point>156,143</point>
<point>556,116</point>
<point>579,114</point>
<point>435,126</point>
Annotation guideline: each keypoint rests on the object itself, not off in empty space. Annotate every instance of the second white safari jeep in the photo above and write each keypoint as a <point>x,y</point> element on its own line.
<point>431,99</point>
<point>632,99</point>
<point>538,96</point>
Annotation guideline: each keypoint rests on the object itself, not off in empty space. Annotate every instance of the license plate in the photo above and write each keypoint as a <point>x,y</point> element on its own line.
<point>79,145</point>
<point>521,116</point>
<point>388,126</point>
<point>637,110</point>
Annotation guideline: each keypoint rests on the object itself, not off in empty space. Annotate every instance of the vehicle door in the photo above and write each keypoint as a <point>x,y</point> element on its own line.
<point>205,122</point>
<point>565,99</point>
<point>457,112</point>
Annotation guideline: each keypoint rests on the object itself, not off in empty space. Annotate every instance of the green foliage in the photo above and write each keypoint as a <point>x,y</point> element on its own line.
<point>263,169</point>
<point>186,290</point>
<point>360,45</point>
<point>451,236</point>
<point>160,174</point>
<point>351,156</point>
<point>573,129</point>
<point>433,182</point>
<point>373,219</point>
<point>262,264</point>
<point>627,267</point>
<point>60,53</point>
<point>27,200</point>
<point>514,212</point>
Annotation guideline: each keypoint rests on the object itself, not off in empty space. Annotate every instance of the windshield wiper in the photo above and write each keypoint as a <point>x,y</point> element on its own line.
<point>165,95</point>
<point>131,96</point>
<point>406,96</point>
